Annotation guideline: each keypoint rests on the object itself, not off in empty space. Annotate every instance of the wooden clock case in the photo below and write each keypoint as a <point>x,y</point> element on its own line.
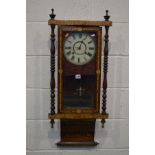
<point>77,124</point>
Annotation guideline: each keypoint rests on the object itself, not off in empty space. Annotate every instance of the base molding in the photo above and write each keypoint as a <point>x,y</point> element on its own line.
<point>61,143</point>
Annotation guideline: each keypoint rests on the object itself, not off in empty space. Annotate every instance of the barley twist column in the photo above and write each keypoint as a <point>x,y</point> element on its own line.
<point>105,68</point>
<point>52,83</point>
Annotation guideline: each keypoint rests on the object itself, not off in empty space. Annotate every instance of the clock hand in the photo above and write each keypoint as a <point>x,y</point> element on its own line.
<point>82,41</point>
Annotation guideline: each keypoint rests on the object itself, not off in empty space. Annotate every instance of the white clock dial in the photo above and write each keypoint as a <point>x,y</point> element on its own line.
<point>79,48</point>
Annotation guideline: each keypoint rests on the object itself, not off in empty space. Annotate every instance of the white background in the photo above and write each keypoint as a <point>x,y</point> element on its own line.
<point>41,138</point>
<point>13,78</point>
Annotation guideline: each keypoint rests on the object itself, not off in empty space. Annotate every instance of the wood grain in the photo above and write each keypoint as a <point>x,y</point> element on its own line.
<point>78,116</point>
<point>79,22</point>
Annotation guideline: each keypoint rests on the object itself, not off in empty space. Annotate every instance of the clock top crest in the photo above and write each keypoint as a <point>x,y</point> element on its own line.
<point>79,78</point>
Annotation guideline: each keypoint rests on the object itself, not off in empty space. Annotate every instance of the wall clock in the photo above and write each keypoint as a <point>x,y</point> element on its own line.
<point>79,78</point>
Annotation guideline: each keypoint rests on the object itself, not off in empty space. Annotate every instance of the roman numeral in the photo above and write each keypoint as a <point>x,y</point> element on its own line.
<point>73,36</point>
<point>78,60</point>
<point>91,48</point>
<point>89,54</point>
<point>80,35</point>
<point>68,53</point>
<point>90,42</point>
<point>72,58</point>
<point>67,48</point>
<point>85,58</point>
<point>69,41</point>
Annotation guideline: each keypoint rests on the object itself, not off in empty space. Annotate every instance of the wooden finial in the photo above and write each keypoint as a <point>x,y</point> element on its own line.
<point>106,12</point>
<point>52,11</point>
<point>52,15</point>
<point>106,17</point>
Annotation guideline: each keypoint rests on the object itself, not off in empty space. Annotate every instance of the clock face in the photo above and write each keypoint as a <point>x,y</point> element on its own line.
<point>79,47</point>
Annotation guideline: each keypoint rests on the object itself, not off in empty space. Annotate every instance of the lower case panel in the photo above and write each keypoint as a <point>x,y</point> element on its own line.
<point>77,132</point>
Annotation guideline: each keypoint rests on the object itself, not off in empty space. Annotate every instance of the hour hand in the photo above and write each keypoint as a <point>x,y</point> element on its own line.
<point>77,48</point>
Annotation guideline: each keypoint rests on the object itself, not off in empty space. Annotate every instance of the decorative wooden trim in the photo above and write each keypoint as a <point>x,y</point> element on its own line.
<point>78,116</point>
<point>79,22</point>
<point>105,68</point>
<point>98,67</point>
<point>59,68</point>
<point>94,143</point>
<point>52,83</point>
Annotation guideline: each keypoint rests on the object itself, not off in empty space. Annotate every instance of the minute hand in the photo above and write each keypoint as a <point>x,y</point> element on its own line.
<point>82,41</point>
